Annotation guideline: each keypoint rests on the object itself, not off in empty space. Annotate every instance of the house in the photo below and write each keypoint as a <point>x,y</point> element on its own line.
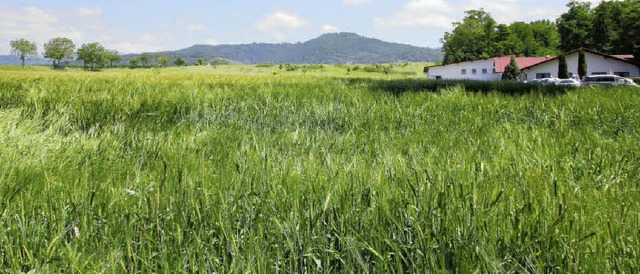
<point>483,69</point>
<point>597,64</point>
<point>489,69</point>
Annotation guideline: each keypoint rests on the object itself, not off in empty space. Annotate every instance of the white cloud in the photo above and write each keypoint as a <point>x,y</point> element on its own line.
<point>355,2</point>
<point>420,13</point>
<point>35,25</point>
<point>329,29</point>
<point>277,23</point>
<point>508,11</point>
<point>197,27</point>
<point>211,41</point>
<point>89,11</point>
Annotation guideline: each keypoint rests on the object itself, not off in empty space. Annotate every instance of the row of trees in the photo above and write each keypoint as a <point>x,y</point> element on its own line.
<point>479,36</point>
<point>612,27</point>
<point>61,49</point>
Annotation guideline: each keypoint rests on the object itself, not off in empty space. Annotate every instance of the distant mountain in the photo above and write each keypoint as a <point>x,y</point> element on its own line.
<point>332,48</point>
<point>15,60</point>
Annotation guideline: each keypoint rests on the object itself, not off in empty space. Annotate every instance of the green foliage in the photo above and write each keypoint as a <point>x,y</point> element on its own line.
<point>575,26</point>
<point>162,61</point>
<point>94,55</point>
<point>133,62</point>
<point>23,48</point>
<point>582,64</point>
<point>264,65</point>
<point>180,62</point>
<point>563,68</point>
<point>113,57</point>
<point>128,172</point>
<point>145,60</point>
<point>219,62</point>
<point>612,27</point>
<point>200,62</point>
<point>512,70</point>
<point>58,49</point>
<point>479,36</point>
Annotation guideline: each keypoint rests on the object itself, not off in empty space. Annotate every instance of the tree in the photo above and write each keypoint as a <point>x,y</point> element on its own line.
<point>563,69</point>
<point>575,26</point>
<point>24,49</point>
<point>145,59</point>
<point>470,39</point>
<point>512,70</point>
<point>133,62</point>
<point>180,62</point>
<point>200,62</point>
<point>58,49</point>
<point>582,64</point>
<point>113,56</point>
<point>163,61</point>
<point>93,54</point>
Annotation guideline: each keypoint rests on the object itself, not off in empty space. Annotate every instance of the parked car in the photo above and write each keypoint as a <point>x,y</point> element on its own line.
<point>568,82</point>
<point>551,80</point>
<point>607,80</point>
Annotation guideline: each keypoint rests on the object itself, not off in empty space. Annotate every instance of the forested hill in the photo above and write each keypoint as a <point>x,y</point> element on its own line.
<point>333,48</point>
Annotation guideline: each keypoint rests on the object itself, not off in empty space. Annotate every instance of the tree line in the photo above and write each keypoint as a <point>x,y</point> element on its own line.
<point>93,55</point>
<point>612,27</point>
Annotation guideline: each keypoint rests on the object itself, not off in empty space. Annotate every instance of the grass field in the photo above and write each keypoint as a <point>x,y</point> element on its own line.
<point>262,170</point>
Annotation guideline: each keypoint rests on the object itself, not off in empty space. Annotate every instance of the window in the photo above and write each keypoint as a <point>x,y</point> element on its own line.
<point>543,75</point>
<point>438,77</point>
<point>599,73</point>
<point>484,71</point>
<point>474,71</point>
<point>622,74</point>
<point>464,71</point>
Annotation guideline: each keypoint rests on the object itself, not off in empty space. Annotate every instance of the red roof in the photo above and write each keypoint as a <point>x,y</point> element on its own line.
<point>502,61</point>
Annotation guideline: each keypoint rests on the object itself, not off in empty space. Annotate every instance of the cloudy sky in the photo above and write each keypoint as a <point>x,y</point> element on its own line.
<point>135,26</point>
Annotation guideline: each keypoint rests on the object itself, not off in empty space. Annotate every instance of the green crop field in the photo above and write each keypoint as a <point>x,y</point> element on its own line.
<point>262,169</point>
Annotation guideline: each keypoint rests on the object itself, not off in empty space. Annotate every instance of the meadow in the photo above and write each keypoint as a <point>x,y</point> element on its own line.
<point>258,169</point>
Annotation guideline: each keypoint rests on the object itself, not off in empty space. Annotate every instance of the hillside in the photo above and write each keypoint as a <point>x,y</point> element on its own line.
<point>333,48</point>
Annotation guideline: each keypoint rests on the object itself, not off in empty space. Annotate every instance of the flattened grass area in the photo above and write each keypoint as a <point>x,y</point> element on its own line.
<point>196,170</point>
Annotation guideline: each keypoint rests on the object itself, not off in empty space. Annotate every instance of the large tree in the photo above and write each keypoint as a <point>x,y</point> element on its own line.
<point>575,26</point>
<point>145,59</point>
<point>58,49</point>
<point>470,39</point>
<point>114,57</point>
<point>24,49</point>
<point>93,54</point>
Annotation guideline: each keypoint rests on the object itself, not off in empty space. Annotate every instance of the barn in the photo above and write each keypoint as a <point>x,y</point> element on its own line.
<point>489,69</point>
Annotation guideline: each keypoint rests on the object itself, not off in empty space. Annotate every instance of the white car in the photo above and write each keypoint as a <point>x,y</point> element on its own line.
<point>607,80</point>
<point>568,82</point>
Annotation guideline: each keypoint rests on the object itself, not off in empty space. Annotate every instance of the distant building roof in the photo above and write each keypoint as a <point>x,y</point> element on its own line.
<point>502,61</point>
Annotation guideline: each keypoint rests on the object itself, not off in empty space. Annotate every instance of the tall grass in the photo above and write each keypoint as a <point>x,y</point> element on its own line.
<point>141,172</point>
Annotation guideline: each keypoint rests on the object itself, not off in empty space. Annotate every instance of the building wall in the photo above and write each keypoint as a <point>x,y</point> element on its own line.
<point>454,71</point>
<point>595,64</point>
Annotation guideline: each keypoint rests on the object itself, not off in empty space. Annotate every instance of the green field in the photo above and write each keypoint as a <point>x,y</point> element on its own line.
<point>263,170</point>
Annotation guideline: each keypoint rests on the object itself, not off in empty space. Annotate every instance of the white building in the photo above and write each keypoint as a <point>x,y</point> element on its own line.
<point>487,69</point>
<point>597,64</point>
<point>534,67</point>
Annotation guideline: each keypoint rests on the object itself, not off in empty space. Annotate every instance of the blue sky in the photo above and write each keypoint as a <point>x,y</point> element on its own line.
<point>135,26</point>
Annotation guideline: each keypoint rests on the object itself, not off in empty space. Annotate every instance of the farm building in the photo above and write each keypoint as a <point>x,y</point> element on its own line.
<point>534,67</point>
<point>597,64</point>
